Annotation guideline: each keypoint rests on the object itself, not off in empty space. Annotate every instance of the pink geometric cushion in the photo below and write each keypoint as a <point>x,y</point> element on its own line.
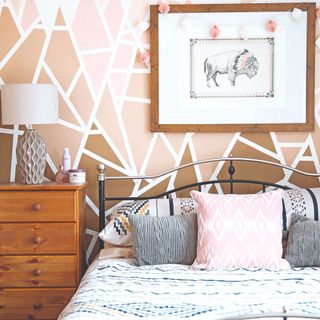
<point>239,231</point>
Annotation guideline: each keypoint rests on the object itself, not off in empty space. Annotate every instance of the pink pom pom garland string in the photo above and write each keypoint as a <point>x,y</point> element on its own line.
<point>144,57</point>
<point>164,7</point>
<point>214,31</point>
<point>271,26</point>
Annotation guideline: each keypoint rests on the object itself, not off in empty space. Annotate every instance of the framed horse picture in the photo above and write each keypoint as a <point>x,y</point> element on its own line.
<point>232,67</point>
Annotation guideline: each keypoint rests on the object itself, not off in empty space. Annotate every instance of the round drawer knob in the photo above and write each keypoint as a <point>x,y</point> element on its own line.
<point>36,272</point>
<point>36,239</point>
<point>37,305</point>
<point>36,207</point>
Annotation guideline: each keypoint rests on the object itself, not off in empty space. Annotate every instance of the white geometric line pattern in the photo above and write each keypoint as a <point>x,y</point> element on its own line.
<point>103,92</point>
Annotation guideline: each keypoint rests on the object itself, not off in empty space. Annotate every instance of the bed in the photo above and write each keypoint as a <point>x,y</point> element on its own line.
<point>116,288</point>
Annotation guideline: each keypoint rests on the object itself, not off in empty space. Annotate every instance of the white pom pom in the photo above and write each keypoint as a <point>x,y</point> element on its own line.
<point>318,43</point>
<point>142,26</point>
<point>296,14</point>
<point>243,33</point>
<point>185,23</point>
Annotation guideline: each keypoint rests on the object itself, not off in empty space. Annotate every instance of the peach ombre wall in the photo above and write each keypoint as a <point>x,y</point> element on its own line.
<point>90,50</point>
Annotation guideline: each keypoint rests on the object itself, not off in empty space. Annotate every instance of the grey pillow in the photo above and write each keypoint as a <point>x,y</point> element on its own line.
<point>160,240</point>
<point>303,249</point>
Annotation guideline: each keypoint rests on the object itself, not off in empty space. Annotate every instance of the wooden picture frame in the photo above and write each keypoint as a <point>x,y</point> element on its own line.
<point>174,108</point>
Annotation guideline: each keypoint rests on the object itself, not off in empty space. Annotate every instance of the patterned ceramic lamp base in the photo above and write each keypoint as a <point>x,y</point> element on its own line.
<point>31,157</point>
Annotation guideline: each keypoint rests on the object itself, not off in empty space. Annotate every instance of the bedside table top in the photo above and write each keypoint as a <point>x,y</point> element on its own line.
<point>43,186</point>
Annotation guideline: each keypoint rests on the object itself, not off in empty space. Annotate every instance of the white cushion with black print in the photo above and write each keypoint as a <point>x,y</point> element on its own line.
<point>305,202</point>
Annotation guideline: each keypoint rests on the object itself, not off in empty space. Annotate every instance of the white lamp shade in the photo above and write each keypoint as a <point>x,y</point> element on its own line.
<point>29,104</point>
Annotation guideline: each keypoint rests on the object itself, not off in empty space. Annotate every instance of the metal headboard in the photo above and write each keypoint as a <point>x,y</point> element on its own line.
<point>102,178</point>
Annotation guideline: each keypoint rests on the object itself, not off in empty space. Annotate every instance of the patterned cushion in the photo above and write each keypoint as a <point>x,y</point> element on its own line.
<point>118,230</point>
<point>239,231</point>
<point>305,202</point>
<point>303,248</point>
<point>163,240</point>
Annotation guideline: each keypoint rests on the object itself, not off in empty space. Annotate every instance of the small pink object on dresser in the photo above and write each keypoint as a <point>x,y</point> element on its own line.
<point>62,175</point>
<point>239,231</point>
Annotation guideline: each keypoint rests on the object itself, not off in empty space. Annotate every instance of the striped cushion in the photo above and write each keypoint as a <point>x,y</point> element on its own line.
<point>305,202</point>
<point>163,240</point>
<point>303,244</point>
<point>118,230</point>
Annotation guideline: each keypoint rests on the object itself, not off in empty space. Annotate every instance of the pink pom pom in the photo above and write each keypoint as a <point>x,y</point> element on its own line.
<point>164,7</point>
<point>271,26</point>
<point>318,12</point>
<point>144,57</point>
<point>214,31</point>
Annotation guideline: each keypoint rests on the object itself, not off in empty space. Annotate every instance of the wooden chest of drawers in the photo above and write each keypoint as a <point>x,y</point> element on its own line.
<point>42,248</point>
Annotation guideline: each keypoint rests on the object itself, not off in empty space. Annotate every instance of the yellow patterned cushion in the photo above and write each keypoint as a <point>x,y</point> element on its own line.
<point>118,230</point>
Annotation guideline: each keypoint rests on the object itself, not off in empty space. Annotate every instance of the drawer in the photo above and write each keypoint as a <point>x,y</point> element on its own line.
<point>33,304</point>
<point>37,238</point>
<point>37,206</point>
<point>38,271</point>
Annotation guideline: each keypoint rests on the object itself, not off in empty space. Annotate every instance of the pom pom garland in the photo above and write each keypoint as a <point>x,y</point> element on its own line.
<point>243,33</point>
<point>164,8</point>
<point>214,31</point>
<point>271,26</point>
<point>144,57</point>
<point>296,14</point>
<point>185,23</point>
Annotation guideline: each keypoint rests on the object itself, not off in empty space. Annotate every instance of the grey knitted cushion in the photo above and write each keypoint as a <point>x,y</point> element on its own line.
<point>160,240</point>
<point>303,249</point>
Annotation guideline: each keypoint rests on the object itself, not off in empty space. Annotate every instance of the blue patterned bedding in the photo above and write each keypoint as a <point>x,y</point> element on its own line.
<point>116,289</point>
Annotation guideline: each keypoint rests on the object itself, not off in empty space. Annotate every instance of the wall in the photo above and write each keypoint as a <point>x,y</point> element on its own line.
<point>90,50</point>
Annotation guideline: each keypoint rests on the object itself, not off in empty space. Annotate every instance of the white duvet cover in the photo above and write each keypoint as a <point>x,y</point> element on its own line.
<point>116,289</point>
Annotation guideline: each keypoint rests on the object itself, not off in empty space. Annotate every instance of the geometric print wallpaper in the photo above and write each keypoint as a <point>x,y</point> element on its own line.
<point>90,50</point>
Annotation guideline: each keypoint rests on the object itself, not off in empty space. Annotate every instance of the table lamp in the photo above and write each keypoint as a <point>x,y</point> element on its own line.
<point>30,104</point>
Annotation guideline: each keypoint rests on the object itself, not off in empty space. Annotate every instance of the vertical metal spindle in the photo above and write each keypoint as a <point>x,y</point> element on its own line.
<point>231,171</point>
<point>101,182</point>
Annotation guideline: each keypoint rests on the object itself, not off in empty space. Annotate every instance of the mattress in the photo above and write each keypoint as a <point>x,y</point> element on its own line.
<point>117,289</point>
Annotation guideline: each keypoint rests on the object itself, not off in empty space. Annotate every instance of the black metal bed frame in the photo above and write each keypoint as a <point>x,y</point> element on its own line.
<point>102,178</point>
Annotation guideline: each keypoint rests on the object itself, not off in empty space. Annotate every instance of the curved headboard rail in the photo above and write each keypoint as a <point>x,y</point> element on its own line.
<point>102,176</point>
